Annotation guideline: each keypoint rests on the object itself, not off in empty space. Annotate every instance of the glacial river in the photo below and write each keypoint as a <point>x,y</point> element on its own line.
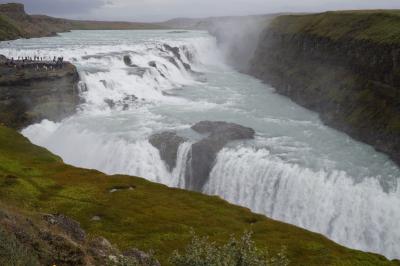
<point>296,169</point>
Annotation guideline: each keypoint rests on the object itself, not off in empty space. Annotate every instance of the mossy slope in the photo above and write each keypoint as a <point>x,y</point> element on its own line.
<point>379,26</point>
<point>147,215</point>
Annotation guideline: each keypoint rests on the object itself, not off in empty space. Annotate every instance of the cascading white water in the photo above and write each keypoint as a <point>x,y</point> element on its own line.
<point>328,202</point>
<point>297,170</point>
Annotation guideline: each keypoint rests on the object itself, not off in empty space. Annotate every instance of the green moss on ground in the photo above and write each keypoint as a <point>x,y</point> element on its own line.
<point>380,26</point>
<point>147,215</point>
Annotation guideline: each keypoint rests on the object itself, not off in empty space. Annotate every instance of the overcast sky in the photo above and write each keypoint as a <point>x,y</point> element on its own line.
<point>159,10</point>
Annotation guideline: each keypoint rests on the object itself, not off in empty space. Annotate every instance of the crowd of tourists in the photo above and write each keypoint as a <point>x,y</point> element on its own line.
<point>36,62</point>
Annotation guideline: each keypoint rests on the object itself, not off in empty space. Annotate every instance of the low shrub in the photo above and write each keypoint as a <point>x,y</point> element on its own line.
<point>236,252</point>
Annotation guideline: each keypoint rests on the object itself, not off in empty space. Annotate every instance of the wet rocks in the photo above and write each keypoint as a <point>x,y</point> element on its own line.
<point>110,103</point>
<point>176,53</point>
<point>137,71</point>
<point>128,61</point>
<point>173,50</point>
<point>153,64</point>
<point>204,152</point>
<point>172,61</point>
<point>167,143</point>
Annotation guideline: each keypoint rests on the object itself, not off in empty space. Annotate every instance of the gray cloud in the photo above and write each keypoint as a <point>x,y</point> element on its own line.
<point>157,10</point>
<point>60,7</point>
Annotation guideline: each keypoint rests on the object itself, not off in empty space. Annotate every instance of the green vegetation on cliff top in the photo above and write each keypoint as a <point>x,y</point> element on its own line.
<point>15,23</point>
<point>8,30</point>
<point>380,26</point>
<point>146,215</point>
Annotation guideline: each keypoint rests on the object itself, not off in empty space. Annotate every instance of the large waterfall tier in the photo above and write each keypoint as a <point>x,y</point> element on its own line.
<point>295,169</point>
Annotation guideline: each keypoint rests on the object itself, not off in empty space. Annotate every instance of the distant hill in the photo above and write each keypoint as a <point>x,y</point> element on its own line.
<point>211,22</point>
<point>16,23</point>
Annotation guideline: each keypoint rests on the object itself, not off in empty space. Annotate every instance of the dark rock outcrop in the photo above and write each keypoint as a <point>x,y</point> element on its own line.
<point>205,151</point>
<point>71,227</point>
<point>176,56</point>
<point>58,240</point>
<point>3,59</point>
<point>353,83</point>
<point>29,95</point>
<point>128,61</point>
<point>167,143</point>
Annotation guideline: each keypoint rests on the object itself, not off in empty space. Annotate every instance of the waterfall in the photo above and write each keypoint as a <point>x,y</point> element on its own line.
<point>315,178</point>
<point>356,214</point>
<point>179,172</point>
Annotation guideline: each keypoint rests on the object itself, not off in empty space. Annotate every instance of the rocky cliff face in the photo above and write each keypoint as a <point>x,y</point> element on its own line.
<point>29,95</point>
<point>345,66</point>
<point>48,239</point>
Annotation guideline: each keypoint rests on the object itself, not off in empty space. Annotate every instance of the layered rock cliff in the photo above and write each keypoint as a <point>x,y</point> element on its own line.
<point>29,95</point>
<point>343,65</point>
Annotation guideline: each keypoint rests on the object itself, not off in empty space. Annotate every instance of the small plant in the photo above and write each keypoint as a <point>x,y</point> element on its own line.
<point>236,252</point>
<point>13,253</point>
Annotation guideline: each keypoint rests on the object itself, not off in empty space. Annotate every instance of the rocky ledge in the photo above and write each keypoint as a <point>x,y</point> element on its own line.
<point>55,239</point>
<point>215,136</point>
<point>31,93</point>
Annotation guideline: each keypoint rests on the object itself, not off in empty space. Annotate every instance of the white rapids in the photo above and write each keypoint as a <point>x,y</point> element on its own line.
<point>296,170</point>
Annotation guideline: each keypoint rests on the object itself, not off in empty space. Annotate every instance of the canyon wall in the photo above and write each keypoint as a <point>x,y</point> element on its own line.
<point>343,65</point>
<point>29,95</point>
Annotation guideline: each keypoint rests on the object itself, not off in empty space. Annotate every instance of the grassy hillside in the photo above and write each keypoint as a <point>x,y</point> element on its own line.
<point>15,23</point>
<point>107,25</point>
<point>381,26</point>
<point>147,215</point>
<point>8,29</point>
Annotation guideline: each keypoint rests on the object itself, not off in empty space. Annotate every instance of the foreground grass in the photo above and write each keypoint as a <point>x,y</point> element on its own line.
<point>380,26</point>
<point>146,215</point>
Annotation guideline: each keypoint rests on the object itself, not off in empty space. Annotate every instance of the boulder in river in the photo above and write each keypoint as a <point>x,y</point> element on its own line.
<point>204,152</point>
<point>128,61</point>
<point>167,143</point>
